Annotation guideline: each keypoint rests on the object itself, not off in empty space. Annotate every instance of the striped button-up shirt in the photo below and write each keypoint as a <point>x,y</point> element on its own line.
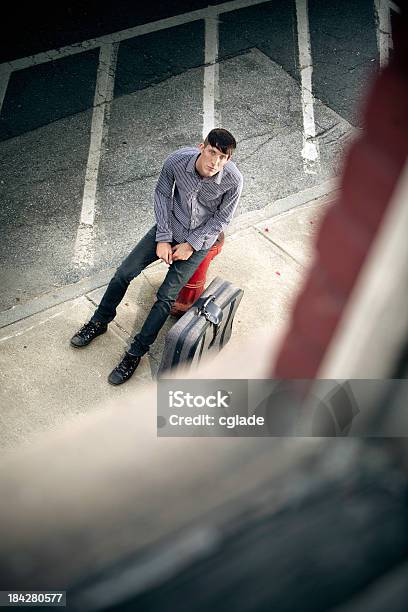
<point>190,208</point>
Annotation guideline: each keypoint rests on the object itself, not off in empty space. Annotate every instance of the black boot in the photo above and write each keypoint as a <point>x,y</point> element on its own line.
<point>87,333</point>
<point>124,370</point>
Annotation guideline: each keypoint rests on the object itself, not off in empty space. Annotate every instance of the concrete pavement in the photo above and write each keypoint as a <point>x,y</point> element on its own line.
<point>45,382</point>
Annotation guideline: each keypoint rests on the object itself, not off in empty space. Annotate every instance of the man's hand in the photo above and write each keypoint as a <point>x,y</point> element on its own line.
<point>164,252</point>
<point>182,251</point>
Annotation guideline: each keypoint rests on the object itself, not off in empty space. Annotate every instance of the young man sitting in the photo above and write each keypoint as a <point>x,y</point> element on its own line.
<point>195,199</point>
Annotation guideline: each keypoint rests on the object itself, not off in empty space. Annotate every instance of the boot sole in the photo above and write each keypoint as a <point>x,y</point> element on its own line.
<point>118,383</point>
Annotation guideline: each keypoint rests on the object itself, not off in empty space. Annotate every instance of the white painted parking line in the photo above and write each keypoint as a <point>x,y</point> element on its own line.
<point>116,37</point>
<point>384,35</point>
<point>4,81</point>
<point>101,109</point>
<point>27,329</point>
<point>310,150</point>
<point>211,73</point>
<point>235,5</point>
<point>394,7</point>
<point>103,98</point>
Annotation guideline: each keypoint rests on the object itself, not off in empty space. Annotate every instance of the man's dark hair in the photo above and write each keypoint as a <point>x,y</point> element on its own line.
<point>222,140</point>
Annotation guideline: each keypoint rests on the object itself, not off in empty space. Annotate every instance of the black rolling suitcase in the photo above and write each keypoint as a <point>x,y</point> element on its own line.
<point>205,327</point>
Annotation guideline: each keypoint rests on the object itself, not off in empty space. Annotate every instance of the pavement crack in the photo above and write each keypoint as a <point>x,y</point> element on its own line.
<point>259,146</point>
<point>91,300</point>
<point>325,131</point>
<point>280,248</point>
<point>264,142</point>
<point>253,137</point>
<point>253,114</point>
<point>334,140</point>
<point>132,179</point>
<point>148,280</point>
<point>114,323</point>
<point>122,329</point>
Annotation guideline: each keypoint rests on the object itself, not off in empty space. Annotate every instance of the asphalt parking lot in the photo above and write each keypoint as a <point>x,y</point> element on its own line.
<point>84,133</point>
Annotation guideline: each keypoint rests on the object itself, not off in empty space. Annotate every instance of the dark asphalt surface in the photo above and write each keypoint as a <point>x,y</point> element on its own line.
<point>47,112</point>
<point>50,26</point>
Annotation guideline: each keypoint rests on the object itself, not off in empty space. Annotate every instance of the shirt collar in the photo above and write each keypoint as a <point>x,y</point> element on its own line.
<point>191,168</point>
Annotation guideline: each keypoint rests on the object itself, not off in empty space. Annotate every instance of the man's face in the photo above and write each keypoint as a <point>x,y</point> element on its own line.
<point>211,160</point>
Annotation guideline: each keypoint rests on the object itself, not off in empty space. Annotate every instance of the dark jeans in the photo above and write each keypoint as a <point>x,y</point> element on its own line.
<point>177,276</point>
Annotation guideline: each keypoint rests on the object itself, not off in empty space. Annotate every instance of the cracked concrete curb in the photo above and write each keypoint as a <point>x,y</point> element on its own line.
<point>63,294</point>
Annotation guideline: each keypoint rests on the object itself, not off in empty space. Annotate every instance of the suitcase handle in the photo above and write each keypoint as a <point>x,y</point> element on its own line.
<point>210,310</point>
